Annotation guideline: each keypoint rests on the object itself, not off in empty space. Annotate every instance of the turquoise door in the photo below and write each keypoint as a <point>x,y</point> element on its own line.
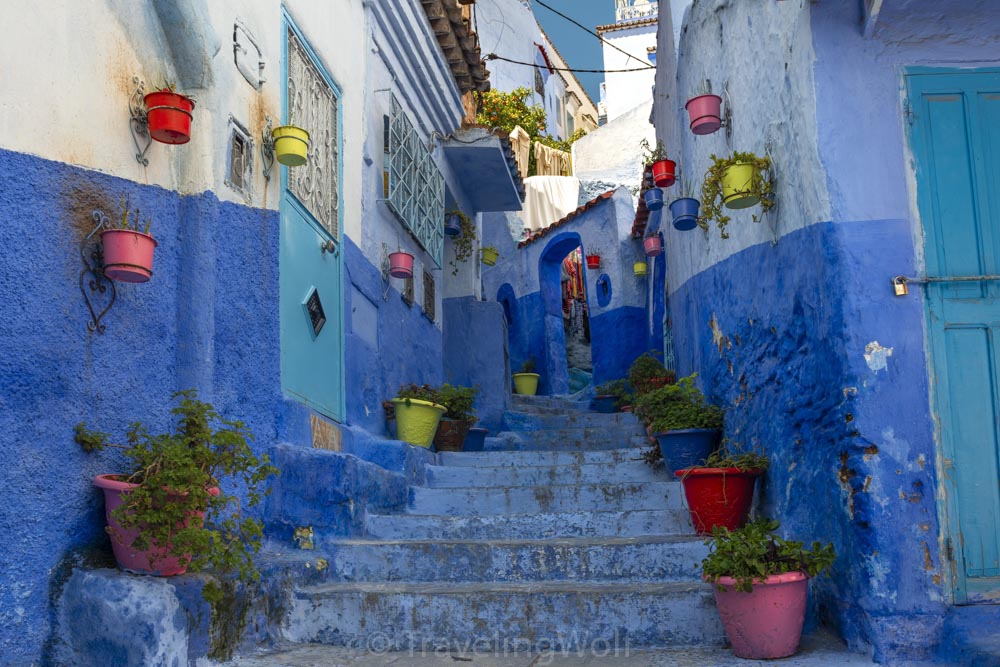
<point>311,299</point>
<point>955,136</point>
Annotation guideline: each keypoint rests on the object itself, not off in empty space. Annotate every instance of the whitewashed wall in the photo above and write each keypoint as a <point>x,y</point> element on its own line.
<point>626,90</point>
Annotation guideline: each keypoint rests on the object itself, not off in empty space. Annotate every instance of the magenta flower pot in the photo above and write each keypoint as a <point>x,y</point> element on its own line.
<point>127,255</point>
<point>652,245</point>
<point>705,112</point>
<point>155,559</point>
<point>765,623</point>
<point>400,265</point>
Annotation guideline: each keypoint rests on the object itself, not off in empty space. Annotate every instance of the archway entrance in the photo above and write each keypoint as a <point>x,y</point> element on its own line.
<point>564,299</point>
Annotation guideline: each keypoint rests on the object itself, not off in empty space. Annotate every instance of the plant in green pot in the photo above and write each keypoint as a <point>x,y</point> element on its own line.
<point>489,254</point>
<point>687,428</point>
<point>171,512</point>
<point>719,491</point>
<point>761,586</point>
<point>739,181</point>
<point>526,381</point>
<point>458,419</point>
<point>417,410</point>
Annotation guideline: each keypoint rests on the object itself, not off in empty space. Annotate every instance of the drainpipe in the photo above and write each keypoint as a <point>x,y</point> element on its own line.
<point>193,43</point>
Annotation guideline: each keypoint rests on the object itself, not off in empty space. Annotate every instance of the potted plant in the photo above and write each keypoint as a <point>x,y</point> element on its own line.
<point>169,115</point>
<point>526,381</point>
<point>653,198</point>
<point>639,269</point>
<point>458,419</point>
<point>291,145</point>
<point>453,223</point>
<point>705,112</point>
<point>463,240</point>
<point>611,396</point>
<point>126,252</point>
<point>475,441</point>
<point>663,167</point>
<point>684,209</point>
<point>720,490</point>
<point>417,410</point>
<point>652,245</point>
<point>156,513</point>
<point>647,373</point>
<point>761,585</point>
<point>489,254</point>
<point>738,181</point>
<point>686,427</point>
<point>400,264</point>
<point>594,259</point>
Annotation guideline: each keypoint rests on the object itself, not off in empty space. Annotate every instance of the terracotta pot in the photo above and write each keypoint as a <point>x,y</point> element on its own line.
<point>450,436</point>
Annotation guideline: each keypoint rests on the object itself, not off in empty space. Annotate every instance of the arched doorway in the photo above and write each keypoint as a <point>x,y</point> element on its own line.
<point>554,366</point>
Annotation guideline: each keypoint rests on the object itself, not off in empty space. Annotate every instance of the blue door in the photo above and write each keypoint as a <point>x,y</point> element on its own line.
<point>955,135</point>
<point>311,280</point>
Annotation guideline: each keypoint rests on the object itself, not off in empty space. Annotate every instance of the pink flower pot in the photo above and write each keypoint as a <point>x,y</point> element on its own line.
<point>705,112</point>
<point>150,561</point>
<point>652,245</point>
<point>400,265</point>
<point>128,255</point>
<point>765,623</point>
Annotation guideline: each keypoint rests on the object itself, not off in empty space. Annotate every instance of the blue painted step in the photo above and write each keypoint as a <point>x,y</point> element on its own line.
<point>539,458</point>
<point>651,558</point>
<point>533,499</point>
<point>539,614</point>
<point>567,440</point>
<point>591,473</point>
<point>529,526</point>
<point>518,421</point>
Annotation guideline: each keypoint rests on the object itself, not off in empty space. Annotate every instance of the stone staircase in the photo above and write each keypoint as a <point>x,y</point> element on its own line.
<point>557,536</point>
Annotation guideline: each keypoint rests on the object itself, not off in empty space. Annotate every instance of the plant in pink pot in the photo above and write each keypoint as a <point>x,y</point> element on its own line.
<point>127,252</point>
<point>170,513</point>
<point>761,585</point>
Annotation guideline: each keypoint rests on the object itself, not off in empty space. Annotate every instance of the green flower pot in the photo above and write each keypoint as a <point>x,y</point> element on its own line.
<point>416,420</point>
<point>526,383</point>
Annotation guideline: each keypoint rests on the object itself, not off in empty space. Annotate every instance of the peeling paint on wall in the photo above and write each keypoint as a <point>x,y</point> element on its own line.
<point>876,356</point>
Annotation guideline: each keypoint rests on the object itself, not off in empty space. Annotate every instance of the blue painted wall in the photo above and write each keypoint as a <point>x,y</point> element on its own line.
<point>474,342</point>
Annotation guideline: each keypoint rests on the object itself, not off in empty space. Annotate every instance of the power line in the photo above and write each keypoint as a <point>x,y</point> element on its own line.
<point>588,30</point>
<point>493,56</point>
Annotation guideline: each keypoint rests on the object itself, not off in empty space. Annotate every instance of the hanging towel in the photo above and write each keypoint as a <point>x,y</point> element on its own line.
<point>548,199</point>
<point>520,143</point>
<point>551,161</point>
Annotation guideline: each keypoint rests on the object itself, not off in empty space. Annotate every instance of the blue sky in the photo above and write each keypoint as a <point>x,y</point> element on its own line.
<point>577,47</point>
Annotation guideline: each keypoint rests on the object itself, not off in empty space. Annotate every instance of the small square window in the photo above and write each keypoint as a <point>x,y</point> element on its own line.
<point>429,295</point>
<point>239,170</point>
<point>408,291</point>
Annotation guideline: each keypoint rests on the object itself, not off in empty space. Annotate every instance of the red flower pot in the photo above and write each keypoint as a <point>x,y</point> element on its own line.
<point>718,496</point>
<point>127,255</point>
<point>169,116</point>
<point>155,559</point>
<point>664,173</point>
<point>705,112</point>
<point>652,245</point>
<point>400,265</point>
<point>593,261</point>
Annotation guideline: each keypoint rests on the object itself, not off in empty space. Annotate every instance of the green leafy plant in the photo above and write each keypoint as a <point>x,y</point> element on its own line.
<point>420,392</point>
<point>647,373</point>
<point>729,456</point>
<point>124,223</point>
<point>761,185</point>
<point>177,473</point>
<point>459,401</point>
<point>677,406</point>
<point>463,243</point>
<point>617,388</point>
<point>755,552</point>
<point>651,154</point>
<point>528,366</point>
<point>684,188</point>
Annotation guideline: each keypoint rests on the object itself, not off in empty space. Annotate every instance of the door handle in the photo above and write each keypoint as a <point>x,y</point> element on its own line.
<point>328,247</point>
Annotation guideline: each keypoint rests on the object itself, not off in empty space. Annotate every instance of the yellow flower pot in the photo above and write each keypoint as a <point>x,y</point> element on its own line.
<point>639,268</point>
<point>736,186</point>
<point>416,420</point>
<point>526,383</point>
<point>291,145</point>
<point>490,256</point>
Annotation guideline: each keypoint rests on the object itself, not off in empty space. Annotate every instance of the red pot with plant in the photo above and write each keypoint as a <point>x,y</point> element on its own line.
<point>720,492</point>
<point>169,116</point>
<point>593,261</point>
<point>664,173</point>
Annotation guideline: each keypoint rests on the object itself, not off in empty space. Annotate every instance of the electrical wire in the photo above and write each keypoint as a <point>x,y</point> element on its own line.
<point>493,56</point>
<point>588,30</point>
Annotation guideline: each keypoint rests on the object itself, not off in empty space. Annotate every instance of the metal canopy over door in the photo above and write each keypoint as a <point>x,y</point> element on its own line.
<point>955,134</point>
<point>311,263</point>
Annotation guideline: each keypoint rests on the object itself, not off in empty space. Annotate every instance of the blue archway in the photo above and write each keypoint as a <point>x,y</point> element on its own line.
<point>552,365</point>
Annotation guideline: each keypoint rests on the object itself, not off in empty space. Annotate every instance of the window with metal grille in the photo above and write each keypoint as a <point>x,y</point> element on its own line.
<point>408,291</point>
<point>416,186</point>
<point>239,171</point>
<point>429,294</point>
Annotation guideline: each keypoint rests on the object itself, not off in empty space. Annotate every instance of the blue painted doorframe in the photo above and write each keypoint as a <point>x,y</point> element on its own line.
<point>955,138</point>
<point>312,361</point>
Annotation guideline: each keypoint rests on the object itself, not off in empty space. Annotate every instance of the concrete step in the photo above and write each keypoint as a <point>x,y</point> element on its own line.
<point>525,421</point>
<point>533,403</point>
<point>529,526</point>
<point>568,440</point>
<point>656,558</point>
<point>536,614</point>
<point>463,501</point>
<point>591,473</point>
<point>541,458</point>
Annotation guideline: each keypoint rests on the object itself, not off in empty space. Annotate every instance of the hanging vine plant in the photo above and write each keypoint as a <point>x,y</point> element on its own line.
<point>464,241</point>
<point>738,181</point>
